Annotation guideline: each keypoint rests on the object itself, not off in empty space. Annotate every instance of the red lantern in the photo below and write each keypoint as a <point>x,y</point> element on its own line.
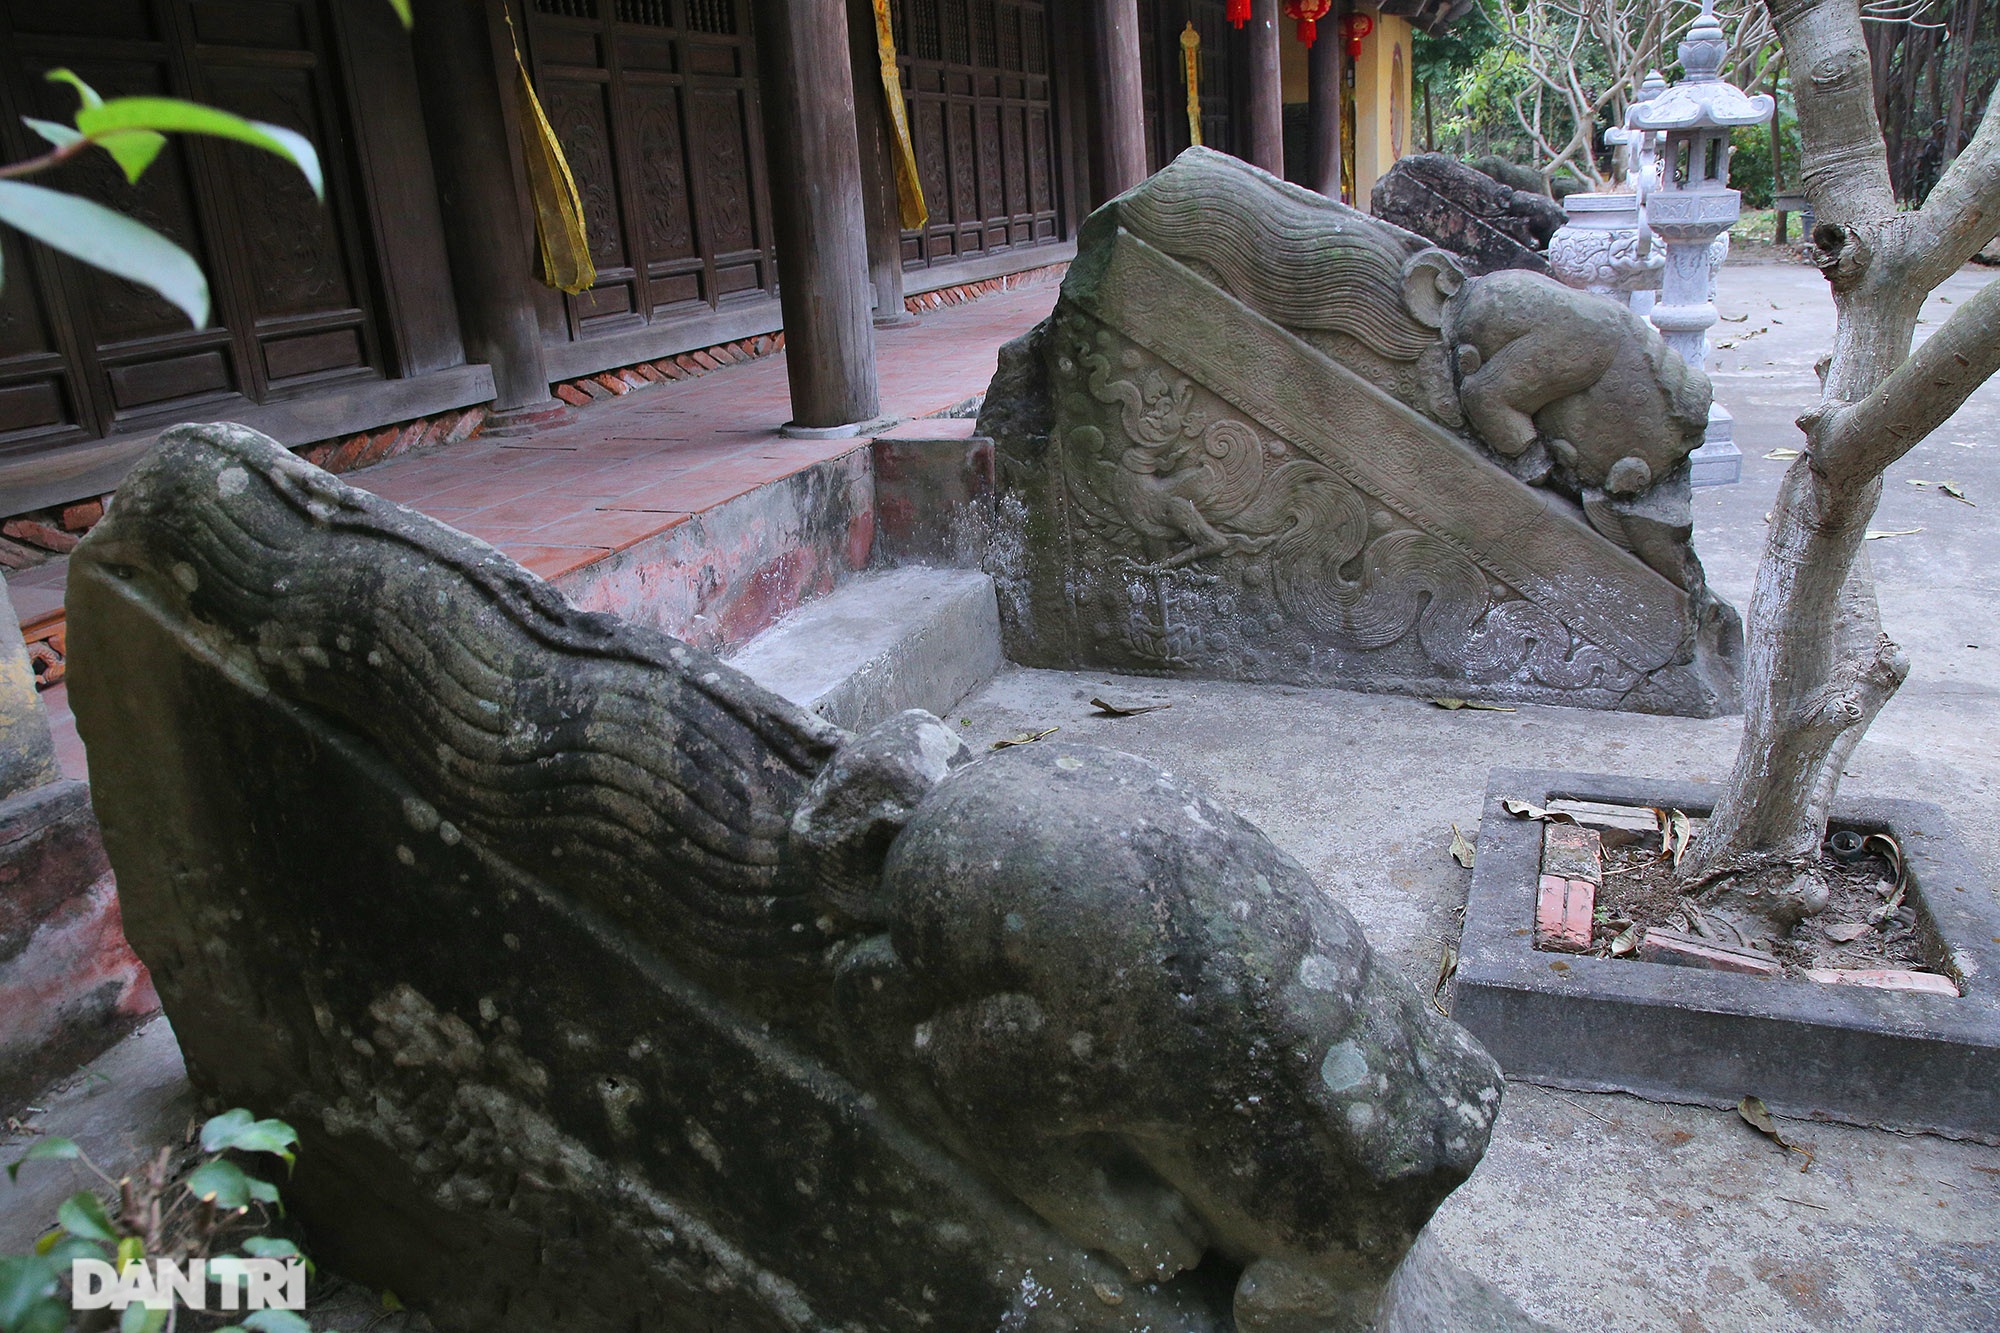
<point>1354,27</point>
<point>1308,13</point>
<point>1238,12</point>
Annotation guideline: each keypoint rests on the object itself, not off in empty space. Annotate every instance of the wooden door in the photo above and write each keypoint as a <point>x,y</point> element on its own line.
<point>655,104</point>
<point>83,354</point>
<point>977,78</point>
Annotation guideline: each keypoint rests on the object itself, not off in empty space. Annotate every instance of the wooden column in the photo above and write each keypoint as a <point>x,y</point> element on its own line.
<point>488,236</point>
<point>1324,73</point>
<point>807,83</point>
<point>875,137</point>
<point>1264,100</point>
<point>1121,94</point>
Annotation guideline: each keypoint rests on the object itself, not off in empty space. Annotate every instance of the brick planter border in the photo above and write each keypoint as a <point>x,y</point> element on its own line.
<point>1846,1053</point>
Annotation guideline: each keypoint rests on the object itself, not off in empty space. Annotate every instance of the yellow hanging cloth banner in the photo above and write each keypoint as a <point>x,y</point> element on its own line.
<point>565,248</point>
<point>1191,47</point>
<point>909,189</point>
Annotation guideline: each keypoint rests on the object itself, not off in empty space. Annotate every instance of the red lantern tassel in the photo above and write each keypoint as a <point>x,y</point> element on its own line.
<point>1238,12</point>
<point>1308,31</point>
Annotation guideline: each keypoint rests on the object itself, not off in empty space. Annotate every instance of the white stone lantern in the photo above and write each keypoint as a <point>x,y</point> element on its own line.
<point>1692,205</point>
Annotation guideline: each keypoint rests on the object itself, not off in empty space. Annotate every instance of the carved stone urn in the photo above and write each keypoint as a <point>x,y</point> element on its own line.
<point>1604,248</point>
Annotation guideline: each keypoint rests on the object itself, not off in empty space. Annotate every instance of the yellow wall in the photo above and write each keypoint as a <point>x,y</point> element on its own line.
<point>1382,93</point>
<point>1382,86</point>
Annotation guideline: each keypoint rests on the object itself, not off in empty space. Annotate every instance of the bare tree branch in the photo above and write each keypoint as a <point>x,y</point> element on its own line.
<point>1856,442</point>
<point>1962,212</point>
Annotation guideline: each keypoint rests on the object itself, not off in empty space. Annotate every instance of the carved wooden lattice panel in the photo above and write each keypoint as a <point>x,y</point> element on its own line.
<point>84,355</point>
<point>655,103</point>
<point>981,114</point>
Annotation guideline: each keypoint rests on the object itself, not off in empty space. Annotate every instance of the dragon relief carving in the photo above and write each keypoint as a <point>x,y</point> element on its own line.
<point>1189,504</point>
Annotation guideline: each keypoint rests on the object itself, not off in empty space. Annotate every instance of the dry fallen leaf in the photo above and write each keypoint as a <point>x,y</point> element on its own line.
<point>1951,488</point>
<point>1627,941</point>
<point>1758,1117</point>
<point>1528,810</point>
<point>1461,848</point>
<point>1782,454</point>
<point>1845,932</point>
<point>1114,710</point>
<point>1680,832</point>
<point>1025,738</point>
<point>1453,705</point>
<point>1447,966</point>
<point>1877,534</point>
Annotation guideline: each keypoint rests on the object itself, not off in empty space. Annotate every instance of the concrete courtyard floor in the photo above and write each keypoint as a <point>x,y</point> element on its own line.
<point>1591,1211</point>
<point>1605,1211</point>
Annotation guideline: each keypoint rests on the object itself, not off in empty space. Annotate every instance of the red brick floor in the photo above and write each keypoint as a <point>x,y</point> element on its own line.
<point>628,468</point>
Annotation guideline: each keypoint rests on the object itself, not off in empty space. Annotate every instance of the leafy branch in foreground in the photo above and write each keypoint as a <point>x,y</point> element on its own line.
<point>132,130</point>
<point>160,1214</point>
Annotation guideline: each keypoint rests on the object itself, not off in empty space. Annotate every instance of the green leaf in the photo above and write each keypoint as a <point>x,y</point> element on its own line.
<point>139,1319</point>
<point>84,90</point>
<point>133,151</point>
<point>263,1191</point>
<point>82,1214</point>
<point>68,1249</point>
<point>26,1281</point>
<point>270,1247</point>
<point>109,241</point>
<point>47,1150</point>
<point>61,136</point>
<point>276,1321</point>
<point>402,8</point>
<point>237,1129</point>
<point>223,1182</point>
<point>173,115</point>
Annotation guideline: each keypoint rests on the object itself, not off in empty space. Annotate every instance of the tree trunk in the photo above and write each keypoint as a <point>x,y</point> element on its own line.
<point>1818,668</point>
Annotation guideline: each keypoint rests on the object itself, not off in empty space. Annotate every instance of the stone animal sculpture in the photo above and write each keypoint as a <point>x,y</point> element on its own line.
<point>609,991</point>
<point>1597,384</point>
<point>1267,437</point>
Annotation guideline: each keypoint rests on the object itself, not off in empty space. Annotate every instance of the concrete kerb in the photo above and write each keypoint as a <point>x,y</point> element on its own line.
<point>1852,1054</point>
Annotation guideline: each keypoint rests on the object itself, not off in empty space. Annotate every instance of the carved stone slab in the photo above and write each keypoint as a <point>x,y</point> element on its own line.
<point>610,992</point>
<point>1225,455</point>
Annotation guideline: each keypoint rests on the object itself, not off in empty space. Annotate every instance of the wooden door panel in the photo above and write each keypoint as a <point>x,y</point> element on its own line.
<point>653,101</point>
<point>295,261</point>
<point>289,304</point>
<point>975,74</point>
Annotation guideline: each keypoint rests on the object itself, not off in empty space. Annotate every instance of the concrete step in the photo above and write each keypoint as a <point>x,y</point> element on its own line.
<point>904,638</point>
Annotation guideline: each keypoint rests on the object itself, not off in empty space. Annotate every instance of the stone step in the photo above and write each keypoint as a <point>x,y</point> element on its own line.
<point>903,638</point>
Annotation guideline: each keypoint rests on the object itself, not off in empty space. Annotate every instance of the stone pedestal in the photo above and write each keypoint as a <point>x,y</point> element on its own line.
<point>1691,223</point>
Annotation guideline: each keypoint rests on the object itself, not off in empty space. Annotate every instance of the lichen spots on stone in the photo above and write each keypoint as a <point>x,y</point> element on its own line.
<point>704,1144</point>
<point>405,855</point>
<point>419,814</point>
<point>1344,1067</point>
<point>184,574</point>
<point>232,481</point>
<point>1319,973</point>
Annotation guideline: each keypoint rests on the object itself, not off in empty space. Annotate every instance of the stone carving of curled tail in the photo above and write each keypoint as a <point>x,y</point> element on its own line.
<point>1408,580</point>
<point>1519,638</point>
